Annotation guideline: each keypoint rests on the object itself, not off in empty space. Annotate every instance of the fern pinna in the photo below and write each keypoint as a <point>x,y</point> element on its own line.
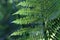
<point>41,18</point>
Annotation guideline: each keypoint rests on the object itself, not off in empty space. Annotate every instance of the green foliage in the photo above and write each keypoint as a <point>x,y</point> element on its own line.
<point>37,12</point>
<point>39,20</point>
<point>5,10</point>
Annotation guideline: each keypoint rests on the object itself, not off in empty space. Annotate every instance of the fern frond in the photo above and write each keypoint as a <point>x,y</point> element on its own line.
<point>42,11</point>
